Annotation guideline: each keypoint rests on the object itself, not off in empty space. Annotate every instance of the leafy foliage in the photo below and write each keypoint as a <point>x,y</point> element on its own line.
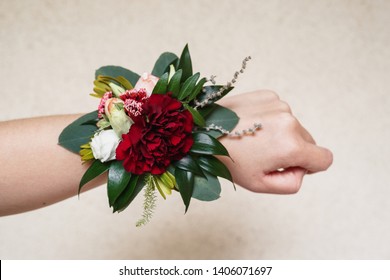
<point>78,132</point>
<point>162,64</point>
<point>97,168</point>
<point>117,71</point>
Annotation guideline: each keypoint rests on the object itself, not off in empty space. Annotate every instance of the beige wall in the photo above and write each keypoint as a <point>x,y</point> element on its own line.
<point>329,59</point>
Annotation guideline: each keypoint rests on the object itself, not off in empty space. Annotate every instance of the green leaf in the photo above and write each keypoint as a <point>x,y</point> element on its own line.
<point>162,84</point>
<point>187,163</point>
<point>185,183</point>
<point>208,90</point>
<point>163,62</point>
<point>118,180</point>
<point>174,83</point>
<point>198,89</point>
<point>188,86</point>
<point>185,64</point>
<point>206,189</point>
<point>97,168</point>
<point>198,119</point>
<point>207,145</point>
<point>124,82</point>
<point>132,189</point>
<point>116,71</point>
<point>78,132</point>
<point>220,116</point>
<point>214,166</point>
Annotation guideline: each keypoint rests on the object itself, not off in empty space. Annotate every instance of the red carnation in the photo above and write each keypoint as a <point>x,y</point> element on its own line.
<point>162,134</point>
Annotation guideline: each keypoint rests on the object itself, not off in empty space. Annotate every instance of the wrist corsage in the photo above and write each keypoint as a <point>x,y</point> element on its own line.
<point>156,132</point>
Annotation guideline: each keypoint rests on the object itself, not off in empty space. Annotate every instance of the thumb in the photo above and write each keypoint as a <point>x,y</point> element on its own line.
<point>287,181</point>
<point>314,158</point>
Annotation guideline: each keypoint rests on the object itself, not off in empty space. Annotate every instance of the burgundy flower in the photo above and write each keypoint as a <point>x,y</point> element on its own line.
<point>162,134</point>
<point>133,101</point>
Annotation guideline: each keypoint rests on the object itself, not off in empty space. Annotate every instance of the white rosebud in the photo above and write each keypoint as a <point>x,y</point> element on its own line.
<point>117,117</point>
<point>104,144</point>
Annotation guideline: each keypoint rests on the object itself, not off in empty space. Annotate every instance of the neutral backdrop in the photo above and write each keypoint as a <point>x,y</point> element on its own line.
<point>330,60</point>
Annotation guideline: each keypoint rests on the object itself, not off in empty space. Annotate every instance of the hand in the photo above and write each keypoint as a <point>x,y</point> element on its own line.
<point>276,158</point>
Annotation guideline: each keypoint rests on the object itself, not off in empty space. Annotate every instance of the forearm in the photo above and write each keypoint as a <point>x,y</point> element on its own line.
<point>35,171</point>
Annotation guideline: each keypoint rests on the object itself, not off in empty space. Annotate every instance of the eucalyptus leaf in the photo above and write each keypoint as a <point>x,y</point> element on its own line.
<point>97,168</point>
<point>208,90</point>
<point>163,63</point>
<point>185,183</point>
<point>118,179</point>
<point>206,189</point>
<point>78,132</point>
<point>207,145</point>
<point>220,116</point>
<point>117,71</point>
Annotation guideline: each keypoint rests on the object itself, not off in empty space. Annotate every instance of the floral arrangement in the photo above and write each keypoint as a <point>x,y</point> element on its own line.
<point>156,132</point>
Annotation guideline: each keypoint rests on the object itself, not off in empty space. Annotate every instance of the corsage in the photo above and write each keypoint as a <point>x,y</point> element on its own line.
<point>158,132</point>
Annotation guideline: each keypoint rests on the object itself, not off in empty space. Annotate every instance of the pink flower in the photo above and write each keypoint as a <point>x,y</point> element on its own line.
<point>147,82</point>
<point>101,107</point>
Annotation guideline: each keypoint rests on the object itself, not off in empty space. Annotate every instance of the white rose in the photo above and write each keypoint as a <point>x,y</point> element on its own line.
<point>104,145</point>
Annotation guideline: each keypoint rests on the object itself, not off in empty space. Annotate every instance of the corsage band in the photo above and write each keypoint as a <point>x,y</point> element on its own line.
<point>157,132</point>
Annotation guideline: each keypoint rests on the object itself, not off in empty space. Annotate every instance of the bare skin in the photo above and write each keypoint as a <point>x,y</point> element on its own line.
<point>281,143</point>
<point>36,172</point>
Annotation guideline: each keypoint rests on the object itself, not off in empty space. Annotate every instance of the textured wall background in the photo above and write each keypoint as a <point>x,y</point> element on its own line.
<point>329,59</point>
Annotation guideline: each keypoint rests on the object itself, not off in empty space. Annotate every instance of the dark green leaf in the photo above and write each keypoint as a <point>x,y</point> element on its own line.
<point>220,116</point>
<point>132,189</point>
<point>97,168</point>
<point>78,132</point>
<point>174,83</point>
<point>162,84</point>
<point>208,90</point>
<point>206,189</point>
<point>118,179</point>
<point>198,119</point>
<point>116,71</point>
<point>187,163</point>
<point>185,64</point>
<point>188,86</point>
<point>214,166</point>
<point>198,89</point>
<point>185,183</point>
<point>163,62</point>
<point>207,145</point>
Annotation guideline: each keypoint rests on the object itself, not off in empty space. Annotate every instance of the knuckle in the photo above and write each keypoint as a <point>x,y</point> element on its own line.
<point>288,121</point>
<point>284,107</point>
<point>271,94</point>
